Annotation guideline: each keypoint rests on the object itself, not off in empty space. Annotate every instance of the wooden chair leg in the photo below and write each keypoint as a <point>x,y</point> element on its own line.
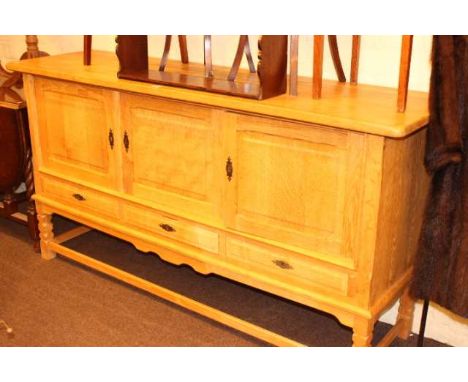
<point>208,56</point>
<point>87,44</point>
<point>293,64</point>
<point>165,56</point>
<point>248,56</point>
<point>183,49</point>
<point>356,49</point>
<point>405,64</point>
<point>335,54</point>
<point>238,58</point>
<point>318,67</point>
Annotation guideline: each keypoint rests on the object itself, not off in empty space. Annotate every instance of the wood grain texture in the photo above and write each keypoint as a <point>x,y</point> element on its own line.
<point>84,152</point>
<point>405,184</point>
<point>180,176</point>
<point>324,216</point>
<point>364,108</point>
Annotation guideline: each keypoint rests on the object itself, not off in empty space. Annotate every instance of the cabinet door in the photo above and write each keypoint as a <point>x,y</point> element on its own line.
<point>173,156</point>
<point>75,124</point>
<point>298,185</point>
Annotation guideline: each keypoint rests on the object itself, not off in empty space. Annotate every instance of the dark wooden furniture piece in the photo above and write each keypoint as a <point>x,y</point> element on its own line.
<point>87,46</point>
<point>15,148</point>
<point>15,162</point>
<point>268,81</point>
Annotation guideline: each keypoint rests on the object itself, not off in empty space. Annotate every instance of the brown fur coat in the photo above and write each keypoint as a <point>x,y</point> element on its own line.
<point>441,272</point>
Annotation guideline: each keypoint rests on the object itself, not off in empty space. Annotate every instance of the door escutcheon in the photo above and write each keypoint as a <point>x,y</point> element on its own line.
<point>126,142</point>
<point>229,168</point>
<point>111,139</point>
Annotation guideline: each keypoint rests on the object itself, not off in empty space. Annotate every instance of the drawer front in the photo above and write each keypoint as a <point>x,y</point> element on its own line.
<point>80,197</point>
<point>173,228</point>
<point>285,266</point>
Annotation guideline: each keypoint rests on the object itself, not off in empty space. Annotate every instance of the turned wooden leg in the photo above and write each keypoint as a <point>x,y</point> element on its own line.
<point>363,331</point>
<point>31,211</point>
<point>46,234</point>
<point>405,314</point>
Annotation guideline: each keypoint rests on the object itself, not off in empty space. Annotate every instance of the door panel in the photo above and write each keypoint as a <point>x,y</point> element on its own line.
<point>297,184</point>
<point>74,126</point>
<point>173,155</point>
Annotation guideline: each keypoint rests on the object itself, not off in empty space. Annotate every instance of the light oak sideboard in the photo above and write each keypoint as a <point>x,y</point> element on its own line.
<point>317,201</point>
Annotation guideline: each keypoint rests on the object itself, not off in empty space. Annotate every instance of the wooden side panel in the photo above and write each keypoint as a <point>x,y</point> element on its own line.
<point>405,185</point>
<point>74,124</point>
<point>297,184</point>
<point>173,153</point>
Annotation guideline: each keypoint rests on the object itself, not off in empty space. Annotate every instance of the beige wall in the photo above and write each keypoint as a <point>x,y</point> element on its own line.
<point>378,65</point>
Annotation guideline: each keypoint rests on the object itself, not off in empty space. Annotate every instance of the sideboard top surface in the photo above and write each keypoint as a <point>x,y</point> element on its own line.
<point>363,108</point>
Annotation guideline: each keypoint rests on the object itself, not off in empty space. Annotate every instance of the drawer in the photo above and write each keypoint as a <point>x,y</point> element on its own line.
<point>80,197</point>
<point>172,227</point>
<point>286,266</point>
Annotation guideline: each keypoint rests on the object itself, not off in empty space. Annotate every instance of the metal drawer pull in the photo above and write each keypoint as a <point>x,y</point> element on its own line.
<point>282,264</point>
<point>167,227</point>
<point>79,197</point>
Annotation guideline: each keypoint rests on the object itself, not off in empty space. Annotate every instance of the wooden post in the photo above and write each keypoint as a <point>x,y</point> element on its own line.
<point>318,67</point>
<point>405,64</point>
<point>293,64</point>
<point>356,49</point>
<point>87,43</point>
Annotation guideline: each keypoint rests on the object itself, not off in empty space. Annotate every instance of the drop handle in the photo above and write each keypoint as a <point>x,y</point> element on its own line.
<point>167,227</point>
<point>79,197</point>
<point>282,264</point>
